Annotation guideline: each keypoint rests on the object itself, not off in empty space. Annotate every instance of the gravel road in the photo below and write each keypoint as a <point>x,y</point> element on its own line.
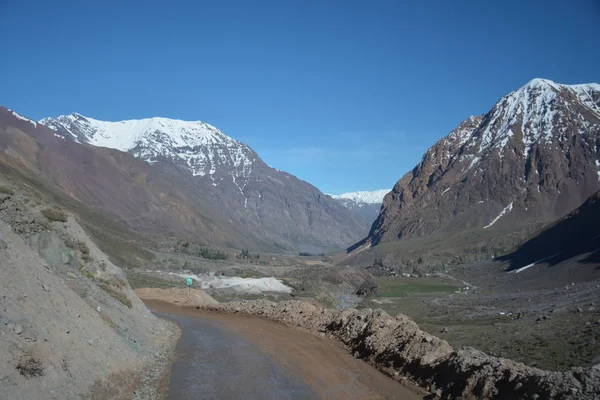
<point>231,357</point>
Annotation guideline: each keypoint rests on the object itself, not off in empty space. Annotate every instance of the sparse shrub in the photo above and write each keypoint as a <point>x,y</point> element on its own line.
<point>6,190</point>
<point>305,254</point>
<point>54,214</point>
<point>79,246</point>
<point>30,367</point>
<point>111,287</point>
<point>200,250</point>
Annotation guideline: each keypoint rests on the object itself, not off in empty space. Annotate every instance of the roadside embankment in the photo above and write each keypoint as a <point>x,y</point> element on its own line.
<point>397,347</point>
<point>70,325</point>
<point>177,296</point>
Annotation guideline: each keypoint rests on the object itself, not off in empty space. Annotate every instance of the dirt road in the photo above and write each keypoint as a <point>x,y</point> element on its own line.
<point>231,357</point>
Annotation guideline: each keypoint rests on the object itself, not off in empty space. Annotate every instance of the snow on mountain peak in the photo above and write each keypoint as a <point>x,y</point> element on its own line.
<point>373,197</point>
<point>541,82</point>
<point>534,108</point>
<point>196,144</point>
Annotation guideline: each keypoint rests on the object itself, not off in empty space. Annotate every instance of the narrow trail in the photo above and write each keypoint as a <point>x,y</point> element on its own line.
<point>232,357</point>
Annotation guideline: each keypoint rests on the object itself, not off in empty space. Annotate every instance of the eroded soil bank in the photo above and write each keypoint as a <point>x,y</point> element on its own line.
<point>231,357</point>
<point>397,347</point>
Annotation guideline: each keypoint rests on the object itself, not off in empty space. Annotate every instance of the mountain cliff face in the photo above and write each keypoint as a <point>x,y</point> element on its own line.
<point>365,204</point>
<point>164,176</point>
<point>532,158</point>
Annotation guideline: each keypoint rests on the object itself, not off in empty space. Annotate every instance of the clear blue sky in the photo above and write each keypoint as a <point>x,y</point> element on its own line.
<point>344,94</point>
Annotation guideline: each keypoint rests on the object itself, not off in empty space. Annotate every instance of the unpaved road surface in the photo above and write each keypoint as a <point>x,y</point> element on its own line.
<point>232,357</point>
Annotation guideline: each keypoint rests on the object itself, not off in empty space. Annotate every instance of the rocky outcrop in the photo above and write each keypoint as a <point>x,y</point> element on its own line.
<point>531,159</point>
<point>397,346</point>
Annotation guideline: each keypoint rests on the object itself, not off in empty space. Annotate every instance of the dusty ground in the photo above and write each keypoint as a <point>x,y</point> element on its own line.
<point>327,368</point>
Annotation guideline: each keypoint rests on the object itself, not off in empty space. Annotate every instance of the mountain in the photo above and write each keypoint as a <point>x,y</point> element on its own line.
<point>363,203</point>
<point>169,177</point>
<point>531,159</point>
<point>194,145</point>
<point>575,234</point>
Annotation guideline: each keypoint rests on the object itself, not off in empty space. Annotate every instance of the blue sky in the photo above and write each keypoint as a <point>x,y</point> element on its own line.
<point>347,95</point>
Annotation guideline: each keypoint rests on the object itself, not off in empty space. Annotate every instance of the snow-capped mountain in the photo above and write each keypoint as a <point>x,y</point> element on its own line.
<point>200,147</point>
<point>363,203</point>
<point>199,160</point>
<point>532,158</point>
<point>373,197</point>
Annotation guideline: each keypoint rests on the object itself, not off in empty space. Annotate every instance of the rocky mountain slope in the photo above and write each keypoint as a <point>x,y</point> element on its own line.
<point>162,176</point>
<point>575,234</point>
<point>365,204</point>
<point>532,158</point>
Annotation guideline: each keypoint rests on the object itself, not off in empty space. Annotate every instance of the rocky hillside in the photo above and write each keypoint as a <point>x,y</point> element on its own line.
<point>532,158</point>
<point>188,179</point>
<point>365,204</point>
<point>575,234</point>
<point>71,326</point>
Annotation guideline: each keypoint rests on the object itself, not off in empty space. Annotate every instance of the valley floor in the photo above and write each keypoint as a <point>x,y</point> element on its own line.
<point>532,317</point>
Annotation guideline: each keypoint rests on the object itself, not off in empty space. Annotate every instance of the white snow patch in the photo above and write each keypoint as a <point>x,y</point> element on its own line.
<point>533,263</point>
<point>506,209</point>
<point>365,247</point>
<point>373,197</point>
<point>238,285</point>
<point>22,118</point>
<point>474,160</point>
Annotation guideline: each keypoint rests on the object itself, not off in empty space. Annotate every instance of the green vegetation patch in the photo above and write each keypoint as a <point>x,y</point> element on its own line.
<point>402,287</point>
<point>6,190</point>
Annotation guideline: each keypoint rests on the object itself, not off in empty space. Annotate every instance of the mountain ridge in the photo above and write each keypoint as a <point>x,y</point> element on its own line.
<point>531,159</point>
<point>158,137</point>
<point>365,204</point>
<point>363,196</point>
<point>237,205</point>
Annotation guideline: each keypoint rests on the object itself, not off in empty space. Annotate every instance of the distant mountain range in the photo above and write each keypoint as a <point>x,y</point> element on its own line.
<point>169,177</point>
<point>533,158</point>
<point>364,203</point>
